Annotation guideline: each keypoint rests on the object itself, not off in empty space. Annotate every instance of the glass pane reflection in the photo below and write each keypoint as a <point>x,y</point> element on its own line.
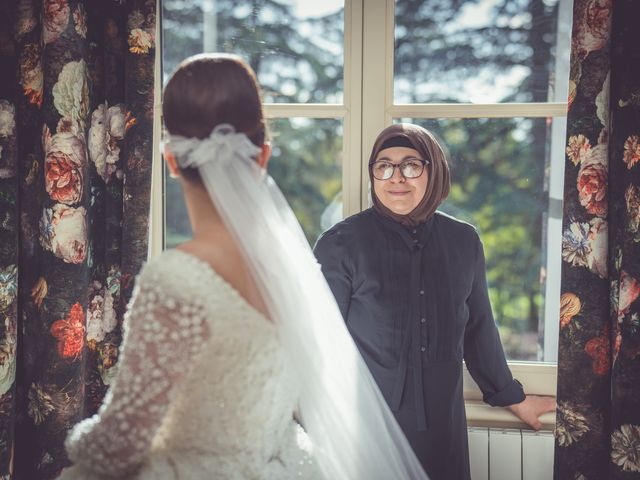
<point>296,48</point>
<point>484,51</point>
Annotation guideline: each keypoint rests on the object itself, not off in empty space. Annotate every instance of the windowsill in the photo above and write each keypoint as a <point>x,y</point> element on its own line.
<point>479,414</point>
<point>537,379</point>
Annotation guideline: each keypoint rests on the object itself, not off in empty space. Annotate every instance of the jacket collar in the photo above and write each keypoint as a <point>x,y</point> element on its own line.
<point>413,237</point>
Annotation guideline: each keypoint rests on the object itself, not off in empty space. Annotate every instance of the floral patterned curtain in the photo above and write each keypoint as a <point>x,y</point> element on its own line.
<point>598,419</point>
<point>76,114</point>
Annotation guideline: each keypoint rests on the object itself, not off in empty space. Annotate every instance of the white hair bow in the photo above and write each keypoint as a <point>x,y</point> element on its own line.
<point>221,145</point>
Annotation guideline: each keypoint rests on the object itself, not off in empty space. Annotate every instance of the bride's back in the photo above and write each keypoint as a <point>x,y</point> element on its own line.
<point>233,411</point>
<point>204,92</point>
<point>222,254</point>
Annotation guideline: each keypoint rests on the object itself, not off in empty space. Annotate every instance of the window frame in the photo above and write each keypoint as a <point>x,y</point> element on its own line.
<point>370,54</point>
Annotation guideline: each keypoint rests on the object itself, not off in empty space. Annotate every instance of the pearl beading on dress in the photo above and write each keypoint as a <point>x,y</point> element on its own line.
<point>203,388</point>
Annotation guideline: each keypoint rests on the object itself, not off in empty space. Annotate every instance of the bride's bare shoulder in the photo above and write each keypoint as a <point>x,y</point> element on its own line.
<point>220,254</point>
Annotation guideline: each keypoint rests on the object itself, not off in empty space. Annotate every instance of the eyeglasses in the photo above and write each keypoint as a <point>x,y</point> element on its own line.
<point>410,168</point>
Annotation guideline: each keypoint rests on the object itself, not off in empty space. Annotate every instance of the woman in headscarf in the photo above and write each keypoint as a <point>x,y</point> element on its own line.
<point>410,282</point>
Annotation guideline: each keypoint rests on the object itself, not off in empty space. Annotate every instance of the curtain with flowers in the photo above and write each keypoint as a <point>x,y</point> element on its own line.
<point>598,418</point>
<point>76,113</point>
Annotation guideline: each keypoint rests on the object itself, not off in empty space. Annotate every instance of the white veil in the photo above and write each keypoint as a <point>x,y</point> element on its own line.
<point>353,432</point>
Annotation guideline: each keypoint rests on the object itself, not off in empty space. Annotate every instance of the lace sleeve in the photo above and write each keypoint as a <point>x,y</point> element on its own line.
<point>164,331</point>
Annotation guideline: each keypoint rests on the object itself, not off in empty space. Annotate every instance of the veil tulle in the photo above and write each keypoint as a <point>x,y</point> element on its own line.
<point>353,432</point>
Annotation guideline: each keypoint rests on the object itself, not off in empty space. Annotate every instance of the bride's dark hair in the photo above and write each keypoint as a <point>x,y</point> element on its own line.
<point>209,89</point>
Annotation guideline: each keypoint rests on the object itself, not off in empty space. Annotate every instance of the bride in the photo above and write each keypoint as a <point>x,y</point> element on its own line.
<point>235,362</point>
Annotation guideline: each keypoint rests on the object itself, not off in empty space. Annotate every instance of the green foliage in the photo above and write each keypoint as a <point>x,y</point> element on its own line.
<point>291,64</point>
<point>308,167</point>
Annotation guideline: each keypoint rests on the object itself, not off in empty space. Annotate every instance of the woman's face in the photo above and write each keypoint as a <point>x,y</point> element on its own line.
<point>399,194</point>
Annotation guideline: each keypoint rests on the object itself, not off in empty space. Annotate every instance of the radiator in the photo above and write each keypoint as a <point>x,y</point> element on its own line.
<point>506,454</point>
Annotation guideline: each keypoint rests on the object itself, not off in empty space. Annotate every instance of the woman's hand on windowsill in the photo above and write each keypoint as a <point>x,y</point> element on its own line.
<point>531,408</point>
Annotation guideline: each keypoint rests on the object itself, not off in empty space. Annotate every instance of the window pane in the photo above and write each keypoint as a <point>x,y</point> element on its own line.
<point>307,165</point>
<point>482,51</point>
<point>295,47</point>
<point>501,183</point>
<point>176,227</point>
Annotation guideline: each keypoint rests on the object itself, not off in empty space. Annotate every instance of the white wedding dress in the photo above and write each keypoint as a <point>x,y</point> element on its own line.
<point>203,390</point>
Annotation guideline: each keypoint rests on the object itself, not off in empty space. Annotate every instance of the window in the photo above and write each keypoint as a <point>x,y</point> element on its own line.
<point>489,77</point>
<point>297,52</point>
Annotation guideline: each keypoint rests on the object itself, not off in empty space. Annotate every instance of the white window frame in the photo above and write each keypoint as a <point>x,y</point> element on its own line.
<point>367,108</point>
